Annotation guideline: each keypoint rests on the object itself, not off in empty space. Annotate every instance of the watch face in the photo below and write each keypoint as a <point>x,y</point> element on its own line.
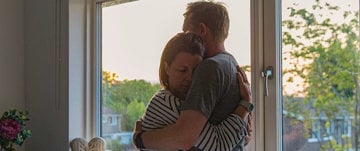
<point>247,105</point>
<point>251,107</point>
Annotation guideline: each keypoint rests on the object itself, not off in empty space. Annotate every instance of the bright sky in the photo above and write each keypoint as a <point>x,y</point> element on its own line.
<point>135,33</point>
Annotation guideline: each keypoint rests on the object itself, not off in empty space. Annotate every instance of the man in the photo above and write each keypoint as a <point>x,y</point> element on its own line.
<point>214,92</point>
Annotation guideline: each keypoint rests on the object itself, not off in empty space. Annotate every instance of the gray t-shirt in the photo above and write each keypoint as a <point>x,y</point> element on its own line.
<point>214,89</point>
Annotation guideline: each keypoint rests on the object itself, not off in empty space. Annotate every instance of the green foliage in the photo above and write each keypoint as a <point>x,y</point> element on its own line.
<point>136,109</point>
<point>127,97</point>
<point>335,146</point>
<point>115,145</point>
<point>329,53</point>
<point>115,2</point>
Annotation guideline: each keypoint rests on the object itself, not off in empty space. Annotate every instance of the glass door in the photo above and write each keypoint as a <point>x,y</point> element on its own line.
<point>320,95</point>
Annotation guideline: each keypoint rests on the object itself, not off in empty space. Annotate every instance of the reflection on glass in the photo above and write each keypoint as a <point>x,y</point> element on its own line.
<point>320,60</point>
<point>133,36</point>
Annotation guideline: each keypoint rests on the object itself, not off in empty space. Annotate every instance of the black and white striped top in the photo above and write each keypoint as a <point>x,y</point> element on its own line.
<point>164,109</point>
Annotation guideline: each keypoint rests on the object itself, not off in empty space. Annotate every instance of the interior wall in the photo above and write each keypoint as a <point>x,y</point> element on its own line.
<point>34,69</point>
<point>77,71</point>
<point>46,74</point>
<point>11,55</point>
<point>56,72</point>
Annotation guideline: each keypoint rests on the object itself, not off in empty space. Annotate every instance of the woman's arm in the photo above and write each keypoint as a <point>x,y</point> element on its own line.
<point>223,137</point>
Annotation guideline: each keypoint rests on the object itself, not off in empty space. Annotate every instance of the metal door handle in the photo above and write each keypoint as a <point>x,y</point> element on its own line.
<point>267,75</point>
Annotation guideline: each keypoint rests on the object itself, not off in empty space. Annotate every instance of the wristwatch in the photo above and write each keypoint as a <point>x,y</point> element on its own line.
<point>249,106</point>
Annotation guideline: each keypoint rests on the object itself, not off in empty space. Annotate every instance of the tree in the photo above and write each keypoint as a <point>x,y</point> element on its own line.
<point>115,2</point>
<point>325,54</point>
<point>127,97</point>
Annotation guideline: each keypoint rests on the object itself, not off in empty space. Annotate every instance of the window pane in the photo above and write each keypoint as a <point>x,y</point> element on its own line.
<point>320,60</point>
<point>133,37</point>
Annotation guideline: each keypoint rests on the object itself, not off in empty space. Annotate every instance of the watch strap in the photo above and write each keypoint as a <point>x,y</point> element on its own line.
<point>249,106</point>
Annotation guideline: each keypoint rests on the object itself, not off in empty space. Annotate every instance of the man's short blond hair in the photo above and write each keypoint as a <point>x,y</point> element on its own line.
<point>213,14</point>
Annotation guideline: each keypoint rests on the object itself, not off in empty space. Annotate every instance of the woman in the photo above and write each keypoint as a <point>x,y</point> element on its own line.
<point>179,59</point>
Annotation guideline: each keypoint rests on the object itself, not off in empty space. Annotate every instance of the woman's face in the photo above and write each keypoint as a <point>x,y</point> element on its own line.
<point>180,73</point>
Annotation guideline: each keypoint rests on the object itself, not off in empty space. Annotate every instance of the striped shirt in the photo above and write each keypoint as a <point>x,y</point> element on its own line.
<point>164,110</point>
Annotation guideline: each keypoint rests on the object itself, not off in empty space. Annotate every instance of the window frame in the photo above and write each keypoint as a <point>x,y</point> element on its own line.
<point>97,15</point>
<point>271,105</point>
<point>258,19</point>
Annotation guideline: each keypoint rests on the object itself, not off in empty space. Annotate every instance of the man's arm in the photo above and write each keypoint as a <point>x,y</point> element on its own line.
<point>181,135</point>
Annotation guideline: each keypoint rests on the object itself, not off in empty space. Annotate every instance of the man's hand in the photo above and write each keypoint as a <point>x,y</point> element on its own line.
<point>245,89</point>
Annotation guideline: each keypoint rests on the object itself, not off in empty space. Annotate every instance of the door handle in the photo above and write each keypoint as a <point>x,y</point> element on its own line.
<point>267,75</point>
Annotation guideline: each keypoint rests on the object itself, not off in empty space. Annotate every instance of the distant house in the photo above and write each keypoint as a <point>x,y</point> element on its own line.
<point>321,130</point>
<point>111,128</point>
<point>111,121</point>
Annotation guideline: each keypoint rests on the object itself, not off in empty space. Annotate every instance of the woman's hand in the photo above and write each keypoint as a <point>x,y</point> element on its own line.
<point>245,89</point>
<point>245,93</point>
<point>137,130</point>
<point>246,116</point>
<point>249,129</point>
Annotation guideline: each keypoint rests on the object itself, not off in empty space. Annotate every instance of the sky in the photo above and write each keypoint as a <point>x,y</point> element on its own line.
<point>135,33</point>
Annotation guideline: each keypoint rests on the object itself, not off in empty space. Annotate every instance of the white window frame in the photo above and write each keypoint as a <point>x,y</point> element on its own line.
<point>267,52</point>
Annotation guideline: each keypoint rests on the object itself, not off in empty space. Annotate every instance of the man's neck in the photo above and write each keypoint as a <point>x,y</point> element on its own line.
<point>213,50</point>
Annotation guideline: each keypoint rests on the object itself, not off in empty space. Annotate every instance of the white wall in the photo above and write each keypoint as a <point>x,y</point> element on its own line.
<point>77,69</point>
